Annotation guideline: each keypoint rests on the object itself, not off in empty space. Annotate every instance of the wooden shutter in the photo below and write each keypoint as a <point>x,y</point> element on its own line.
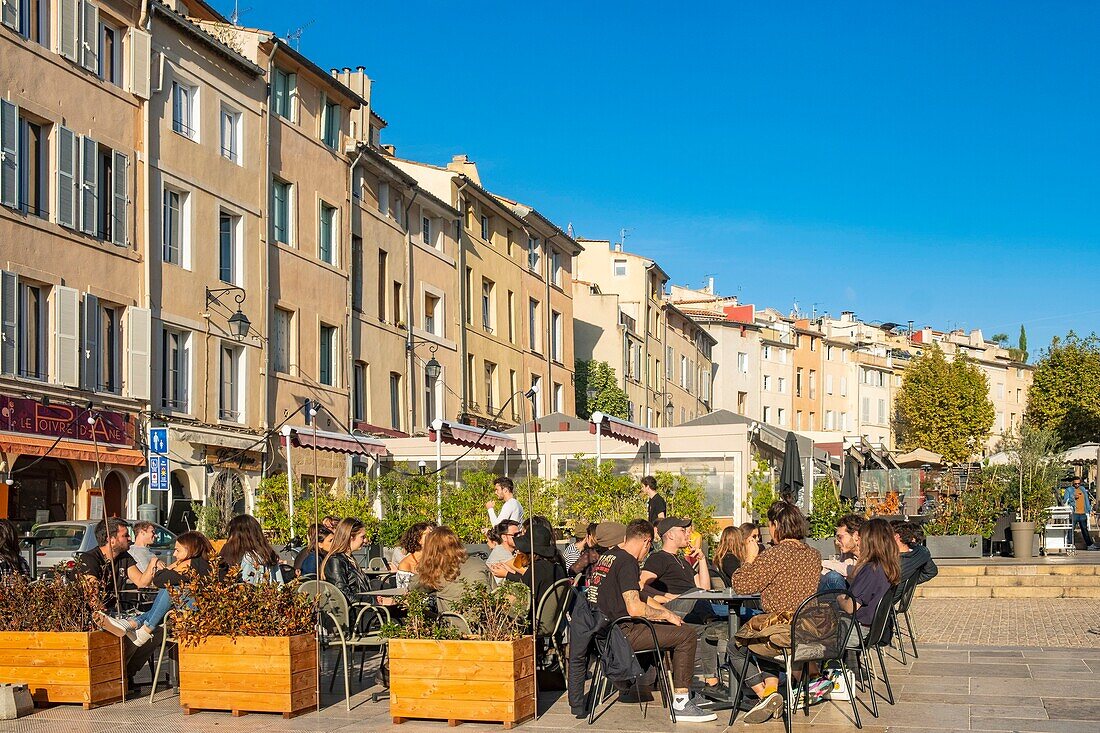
<point>66,335</point>
<point>89,179</point>
<point>66,177</point>
<point>9,322</point>
<point>69,29</point>
<point>89,370</point>
<point>9,154</point>
<point>138,338</point>
<point>120,197</point>
<point>140,65</point>
<point>10,14</point>
<point>89,37</point>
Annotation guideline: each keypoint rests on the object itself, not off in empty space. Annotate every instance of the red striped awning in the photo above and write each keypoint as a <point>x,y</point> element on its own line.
<point>469,436</point>
<point>359,445</point>
<point>622,430</point>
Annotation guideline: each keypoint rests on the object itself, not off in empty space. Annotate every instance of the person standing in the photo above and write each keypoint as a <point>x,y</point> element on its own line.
<point>1077,499</point>
<point>510,509</point>
<point>655,504</point>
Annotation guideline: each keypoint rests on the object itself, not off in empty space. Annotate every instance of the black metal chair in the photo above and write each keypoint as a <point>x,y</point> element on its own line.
<point>820,630</point>
<point>902,603</point>
<point>550,621</point>
<point>878,636</point>
<point>598,691</point>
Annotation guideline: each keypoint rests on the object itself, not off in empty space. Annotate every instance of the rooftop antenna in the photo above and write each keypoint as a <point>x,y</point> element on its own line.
<point>569,230</point>
<point>623,233</point>
<point>235,16</point>
<point>294,38</point>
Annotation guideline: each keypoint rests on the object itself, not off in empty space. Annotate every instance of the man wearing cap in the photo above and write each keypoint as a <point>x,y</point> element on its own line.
<point>537,544</point>
<point>605,535</point>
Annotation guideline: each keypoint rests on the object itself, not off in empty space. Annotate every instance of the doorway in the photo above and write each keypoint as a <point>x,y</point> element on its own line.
<point>114,495</point>
<point>42,492</point>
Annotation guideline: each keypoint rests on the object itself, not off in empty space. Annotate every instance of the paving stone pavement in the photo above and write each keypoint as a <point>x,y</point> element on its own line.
<point>1024,678</point>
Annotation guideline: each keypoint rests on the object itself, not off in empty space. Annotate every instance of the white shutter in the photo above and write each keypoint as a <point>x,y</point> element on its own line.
<point>89,178</point>
<point>89,37</point>
<point>66,335</point>
<point>10,14</point>
<point>66,177</point>
<point>9,322</point>
<point>9,153</point>
<point>68,39</point>
<point>120,197</point>
<point>138,336</point>
<point>89,372</point>
<point>140,63</point>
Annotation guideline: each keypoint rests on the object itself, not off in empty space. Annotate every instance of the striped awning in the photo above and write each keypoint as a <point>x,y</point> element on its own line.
<point>466,435</point>
<point>359,445</point>
<point>622,430</point>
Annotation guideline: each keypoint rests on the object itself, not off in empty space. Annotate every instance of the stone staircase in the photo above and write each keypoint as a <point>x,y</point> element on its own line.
<point>1014,581</point>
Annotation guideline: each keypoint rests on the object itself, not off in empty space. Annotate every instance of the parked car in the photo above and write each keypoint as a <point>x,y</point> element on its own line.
<point>60,543</point>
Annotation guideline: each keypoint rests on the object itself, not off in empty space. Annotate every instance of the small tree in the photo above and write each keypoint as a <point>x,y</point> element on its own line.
<point>761,494</point>
<point>608,397</point>
<point>943,406</point>
<point>407,498</point>
<point>827,509</point>
<point>598,494</point>
<point>1033,475</point>
<point>687,498</point>
<point>1065,390</point>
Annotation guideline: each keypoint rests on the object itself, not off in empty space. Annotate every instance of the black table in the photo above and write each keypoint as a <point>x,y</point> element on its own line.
<point>733,601</point>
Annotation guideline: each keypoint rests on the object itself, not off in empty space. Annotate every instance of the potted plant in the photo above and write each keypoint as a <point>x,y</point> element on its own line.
<point>489,675</point>
<point>761,494</point>
<point>49,640</point>
<point>826,512</point>
<point>244,647</point>
<point>1033,477</point>
<point>963,517</point>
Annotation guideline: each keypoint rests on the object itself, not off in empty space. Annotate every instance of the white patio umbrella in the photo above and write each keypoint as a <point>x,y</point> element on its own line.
<point>1080,455</point>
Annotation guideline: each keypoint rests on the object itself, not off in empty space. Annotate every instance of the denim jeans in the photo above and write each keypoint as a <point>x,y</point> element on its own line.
<point>832,580</point>
<point>1082,521</point>
<point>152,618</point>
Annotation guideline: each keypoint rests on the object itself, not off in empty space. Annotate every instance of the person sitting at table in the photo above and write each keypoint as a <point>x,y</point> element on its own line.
<point>582,537</point>
<point>878,569</point>
<point>192,557</point>
<point>444,564</point>
<point>502,542</point>
<point>784,575</point>
<point>916,560</point>
<point>12,561</point>
<point>728,554</point>
<point>751,531</point>
<point>249,551</point>
<point>339,566</point>
<point>412,542</point>
<point>834,572</point>
<point>317,551</point>
<point>537,545</point>
<point>605,535</point>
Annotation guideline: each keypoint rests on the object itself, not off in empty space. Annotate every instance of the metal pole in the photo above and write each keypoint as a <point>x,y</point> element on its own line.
<point>438,477</point>
<point>289,479</point>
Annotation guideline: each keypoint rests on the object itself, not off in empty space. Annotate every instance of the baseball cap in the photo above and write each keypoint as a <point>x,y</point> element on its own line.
<point>669,522</point>
<point>610,534</point>
<point>580,529</point>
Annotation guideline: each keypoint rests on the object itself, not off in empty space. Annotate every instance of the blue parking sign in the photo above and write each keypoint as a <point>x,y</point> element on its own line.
<point>158,473</point>
<point>158,441</point>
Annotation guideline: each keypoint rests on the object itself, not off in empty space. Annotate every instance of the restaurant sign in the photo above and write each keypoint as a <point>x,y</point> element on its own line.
<point>19,415</point>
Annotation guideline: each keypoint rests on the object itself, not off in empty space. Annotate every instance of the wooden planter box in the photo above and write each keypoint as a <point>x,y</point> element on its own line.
<point>258,674</point>
<point>462,680</point>
<point>59,667</point>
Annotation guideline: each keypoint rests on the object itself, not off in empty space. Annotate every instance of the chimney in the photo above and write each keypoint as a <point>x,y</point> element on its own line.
<point>617,247</point>
<point>462,164</point>
<point>847,316</point>
<point>390,150</point>
<point>710,285</point>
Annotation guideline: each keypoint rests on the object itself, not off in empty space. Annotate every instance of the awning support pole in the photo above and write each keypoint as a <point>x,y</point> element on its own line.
<point>439,478</point>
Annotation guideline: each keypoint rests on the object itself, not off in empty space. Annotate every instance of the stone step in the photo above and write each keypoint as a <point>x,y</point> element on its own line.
<point>963,571</point>
<point>1010,591</point>
<point>1060,581</point>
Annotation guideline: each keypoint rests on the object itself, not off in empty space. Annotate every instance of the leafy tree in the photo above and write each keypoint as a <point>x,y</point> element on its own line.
<point>943,406</point>
<point>1065,390</point>
<point>1034,471</point>
<point>999,338</point>
<point>761,494</point>
<point>598,494</point>
<point>827,509</point>
<point>1021,344</point>
<point>407,498</point>
<point>609,398</point>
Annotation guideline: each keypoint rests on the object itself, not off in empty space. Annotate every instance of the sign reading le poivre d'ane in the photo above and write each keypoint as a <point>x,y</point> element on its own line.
<point>20,415</point>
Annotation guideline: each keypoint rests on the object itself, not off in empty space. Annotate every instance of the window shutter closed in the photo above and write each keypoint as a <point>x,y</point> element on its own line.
<point>140,63</point>
<point>10,14</point>
<point>9,153</point>
<point>120,181</point>
<point>66,302</point>
<point>90,362</point>
<point>69,33</point>
<point>89,178</point>
<point>66,177</point>
<point>9,322</point>
<point>138,329</point>
<point>89,37</point>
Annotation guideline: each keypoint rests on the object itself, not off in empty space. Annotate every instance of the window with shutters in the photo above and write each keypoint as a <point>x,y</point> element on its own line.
<point>534,257</point>
<point>395,401</point>
<point>34,169</point>
<point>31,323</point>
<point>433,310</point>
<point>110,53</point>
<point>426,230</point>
<point>112,195</point>
<point>486,229</point>
<point>328,358</point>
<point>490,387</point>
<point>534,333</point>
<point>383,278</point>
<point>359,391</point>
<point>326,237</point>
<point>556,345</point>
<point>555,267</point>
<point>231,383</point>
<point>175,227</point>
<point>231,134</point>
<point>281,193</point>
<point>30,18</point>
<point>10,173</point>
<point>110,355</point>
<point>330,124</point>
<point>229,249</point>
<point>175,369</point>
<point>65,326</point>
<point>488,304</point>
<point>284,93</point>
<point>67,182</point>
<point>357,272</point>
<point>282,337</point>
<point>185,110</point>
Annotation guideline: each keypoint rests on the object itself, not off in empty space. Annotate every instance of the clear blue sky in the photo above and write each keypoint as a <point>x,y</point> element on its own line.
<point>933,161</point>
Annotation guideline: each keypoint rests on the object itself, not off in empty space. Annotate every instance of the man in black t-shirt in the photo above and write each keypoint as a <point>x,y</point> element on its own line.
<point>655,503</point>
<point>615,591</point>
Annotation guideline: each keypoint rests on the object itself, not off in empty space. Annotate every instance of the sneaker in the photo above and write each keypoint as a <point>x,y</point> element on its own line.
<point>766,709</point>
<point>139,637</point>
<point>1093,546</point>
<point>692,713</point>
<point>116,626</point>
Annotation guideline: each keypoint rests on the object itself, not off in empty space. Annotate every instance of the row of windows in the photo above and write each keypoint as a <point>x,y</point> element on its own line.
<point>534,252</point>
<point>84,37</point>
<point>489,323</point>
<point>285,102</point>
<point>489,391</point>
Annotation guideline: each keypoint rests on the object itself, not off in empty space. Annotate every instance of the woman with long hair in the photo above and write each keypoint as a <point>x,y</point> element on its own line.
<point>751,531</point>
<point>444,564</point>
<point>11,560</point>
<point>339,566</point>
<point>730,552</point>
<point>249,550</point>
<point>877,569</point>
<point>412,543</point>
<point>192,555</point>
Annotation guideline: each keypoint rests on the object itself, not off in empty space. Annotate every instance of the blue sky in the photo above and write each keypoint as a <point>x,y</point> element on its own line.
<point>933,161</point>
